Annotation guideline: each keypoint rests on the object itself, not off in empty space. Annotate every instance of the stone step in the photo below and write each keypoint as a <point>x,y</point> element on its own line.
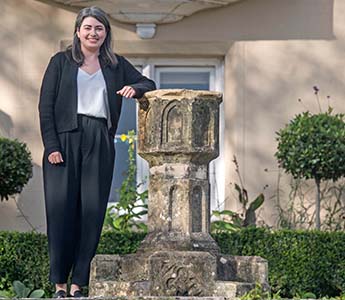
<point>229,288</point>
<point>176,273</point>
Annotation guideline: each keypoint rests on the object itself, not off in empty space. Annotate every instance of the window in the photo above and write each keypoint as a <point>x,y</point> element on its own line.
<point>198,74</point>
<point>127,122</point>
<point>184,78</point>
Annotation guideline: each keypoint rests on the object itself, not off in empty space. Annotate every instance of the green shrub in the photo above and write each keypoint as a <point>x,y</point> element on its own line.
<point>299,261</point>
<point>15,167</point>
<point>116,243</point>
<point>24,256</point>
<point>312,146</point>
<point>124,216</point>
<point>19,290</point>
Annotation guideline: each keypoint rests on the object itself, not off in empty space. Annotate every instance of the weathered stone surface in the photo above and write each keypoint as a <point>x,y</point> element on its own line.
<point>232,289</point>
<point>177,273</point>
<point>118,275</point>
<point>178,136</point>
<point>242,269</point>
<point>131,267</point>
<point>105,267</point>
<point>182,273</point>
<point>181,124</point>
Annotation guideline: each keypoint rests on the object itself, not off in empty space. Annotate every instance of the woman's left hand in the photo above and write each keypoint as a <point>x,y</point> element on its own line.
<point>127,91</point>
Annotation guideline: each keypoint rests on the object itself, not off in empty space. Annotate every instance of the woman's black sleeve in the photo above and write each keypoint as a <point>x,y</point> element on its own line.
<point>48,94</point>
<point>136,80</point>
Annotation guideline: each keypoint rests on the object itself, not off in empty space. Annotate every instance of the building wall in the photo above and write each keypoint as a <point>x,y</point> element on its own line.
<point>274,51</point>
<point>264,80</point>
<point>30,33</point>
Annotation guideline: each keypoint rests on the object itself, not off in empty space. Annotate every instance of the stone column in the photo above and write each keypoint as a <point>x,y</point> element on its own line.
<point>179,136</point>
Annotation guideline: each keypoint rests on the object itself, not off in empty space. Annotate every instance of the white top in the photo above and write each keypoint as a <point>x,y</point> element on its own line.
<point>92,95</point>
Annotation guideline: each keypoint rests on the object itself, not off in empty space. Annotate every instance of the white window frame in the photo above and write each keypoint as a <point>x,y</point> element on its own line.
<point>151,67</point>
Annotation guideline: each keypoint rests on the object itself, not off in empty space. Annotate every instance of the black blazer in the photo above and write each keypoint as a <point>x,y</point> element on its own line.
<point>59,96</point>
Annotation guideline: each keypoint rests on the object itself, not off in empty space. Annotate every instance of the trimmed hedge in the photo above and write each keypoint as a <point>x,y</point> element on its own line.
<point>15,167</point>
<point>299,261</point>
<point>24,256</point>
<point>115,243</point>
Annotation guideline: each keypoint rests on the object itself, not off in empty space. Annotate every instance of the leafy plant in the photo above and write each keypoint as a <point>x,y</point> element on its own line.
<point>124,215</point>
<point>19,290</point>
<point>15,167</point>
<point>338,277</point>
<point>232,221</point>
<point>257,293</point>
<point>305,295</point>
<point>312,146</point>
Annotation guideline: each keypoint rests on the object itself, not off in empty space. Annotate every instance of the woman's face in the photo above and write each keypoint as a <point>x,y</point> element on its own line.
<point>91,33</point>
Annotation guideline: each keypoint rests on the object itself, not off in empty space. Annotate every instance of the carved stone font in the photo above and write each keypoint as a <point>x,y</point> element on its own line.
<point>178,136</point>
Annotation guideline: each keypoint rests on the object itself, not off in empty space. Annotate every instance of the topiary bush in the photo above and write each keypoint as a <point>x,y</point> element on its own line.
<point>15,167</point>
<point>312,146</point>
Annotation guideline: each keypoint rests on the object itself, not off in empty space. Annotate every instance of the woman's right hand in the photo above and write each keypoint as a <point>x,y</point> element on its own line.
<point>55,158</point>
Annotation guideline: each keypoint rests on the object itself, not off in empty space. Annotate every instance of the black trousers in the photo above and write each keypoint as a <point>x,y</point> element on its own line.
<point>76,196</point>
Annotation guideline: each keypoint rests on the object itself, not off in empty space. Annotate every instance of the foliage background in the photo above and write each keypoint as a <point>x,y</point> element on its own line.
<point>15,167</point>
<point>299,261</point>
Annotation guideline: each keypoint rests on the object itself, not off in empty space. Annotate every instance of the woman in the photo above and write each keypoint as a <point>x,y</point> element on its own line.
<point>79,108</point>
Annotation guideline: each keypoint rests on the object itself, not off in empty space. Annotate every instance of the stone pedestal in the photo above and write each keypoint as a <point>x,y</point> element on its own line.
<point>178,135</point>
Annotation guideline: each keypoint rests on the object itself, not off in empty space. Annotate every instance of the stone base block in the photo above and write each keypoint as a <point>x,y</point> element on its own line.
<point>180,273</point>
<point>232,289</point>
<point>242,269</point>
<point>176,273</point>
<point>119,288</point>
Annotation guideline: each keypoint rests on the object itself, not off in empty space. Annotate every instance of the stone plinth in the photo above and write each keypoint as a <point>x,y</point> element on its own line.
<point>178,136</point>
<point>176,273</point>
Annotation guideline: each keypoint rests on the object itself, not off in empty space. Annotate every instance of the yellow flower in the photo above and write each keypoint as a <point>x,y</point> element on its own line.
<point>123,137</point>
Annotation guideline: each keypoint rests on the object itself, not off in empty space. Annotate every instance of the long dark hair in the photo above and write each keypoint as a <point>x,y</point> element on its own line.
<point>105,53</point>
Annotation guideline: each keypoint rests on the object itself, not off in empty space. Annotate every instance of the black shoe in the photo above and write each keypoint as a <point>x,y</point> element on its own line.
<point>60,294</point>
<point>77,294</point>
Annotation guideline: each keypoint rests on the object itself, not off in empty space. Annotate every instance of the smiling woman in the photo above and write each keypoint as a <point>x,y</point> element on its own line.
<point>91,34</point>
<point>80,105</point>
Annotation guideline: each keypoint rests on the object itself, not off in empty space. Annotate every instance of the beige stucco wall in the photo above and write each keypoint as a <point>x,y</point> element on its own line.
<point>30,33</point>
<point>264,80</point>
<point>274,51</point>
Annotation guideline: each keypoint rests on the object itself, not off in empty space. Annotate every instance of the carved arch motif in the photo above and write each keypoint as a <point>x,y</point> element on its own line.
<point>172,124</point>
